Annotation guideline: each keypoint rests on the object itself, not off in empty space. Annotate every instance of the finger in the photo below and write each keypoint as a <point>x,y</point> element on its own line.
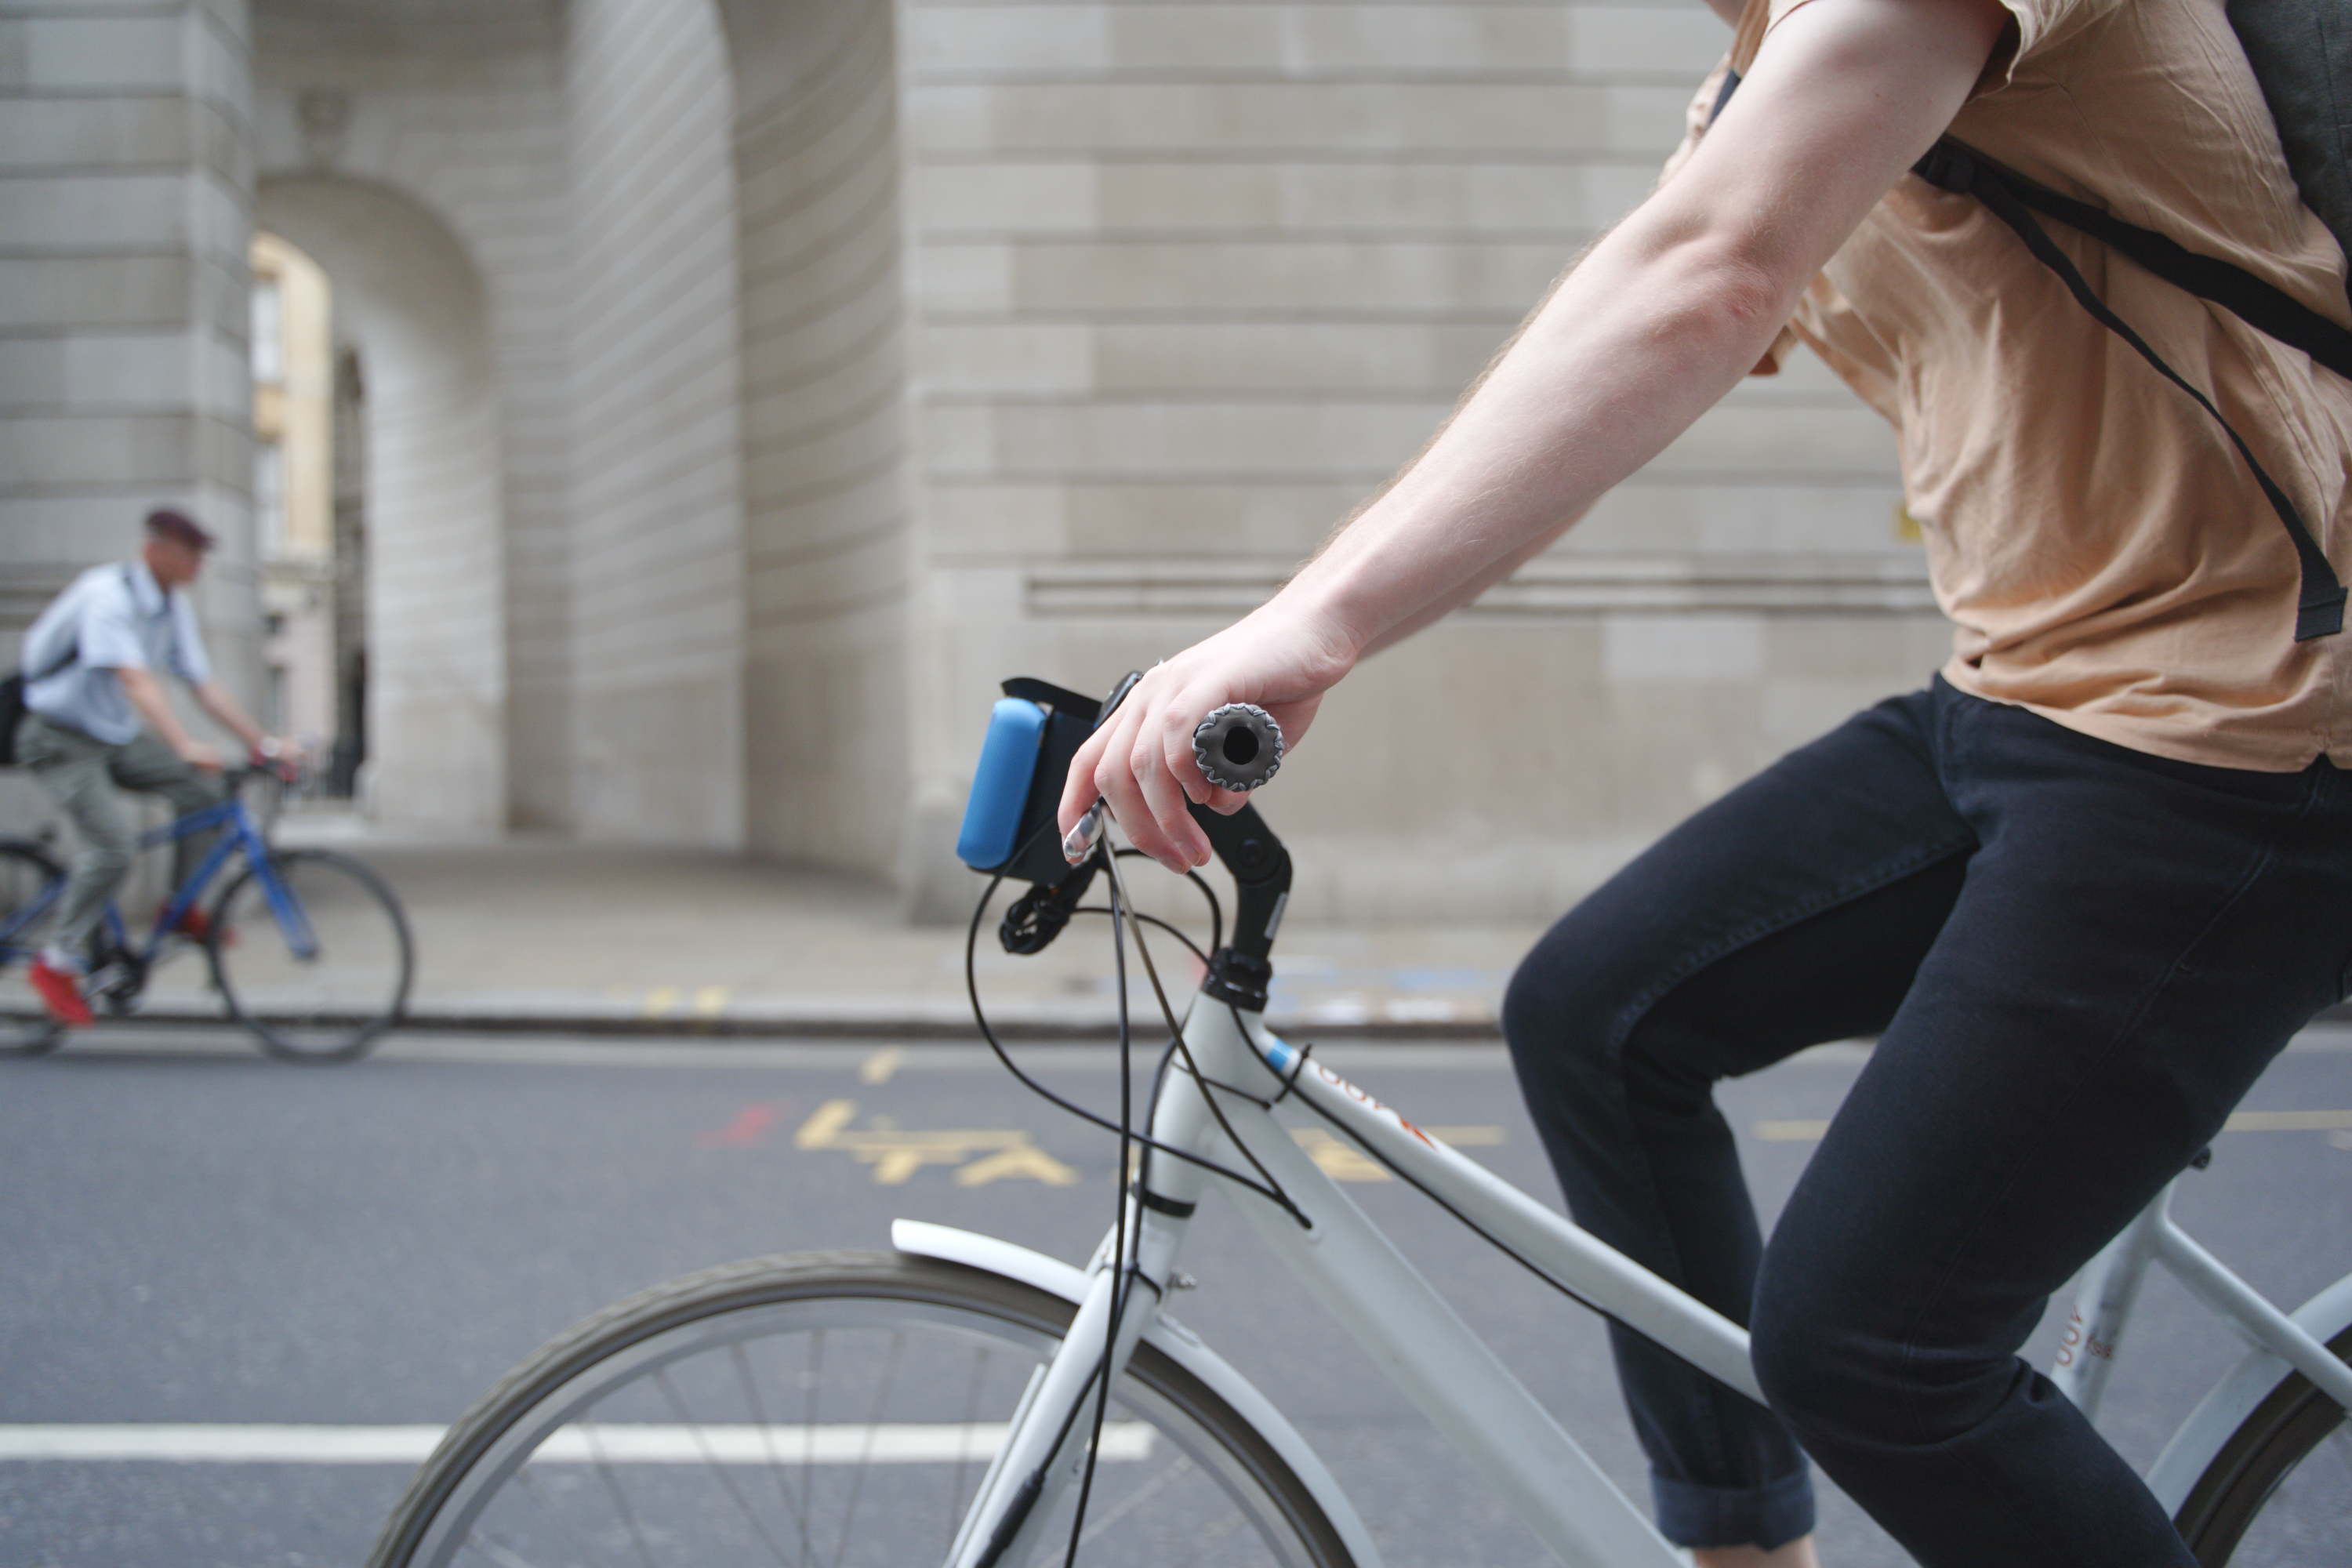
<point>1226,802</point>
<point>1079,791</point>
<point>1115,781</point>
<point>1182,844</point>
<point>1183,759</point>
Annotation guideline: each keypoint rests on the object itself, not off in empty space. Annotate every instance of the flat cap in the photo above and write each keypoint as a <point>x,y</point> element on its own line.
<point>166,523</point>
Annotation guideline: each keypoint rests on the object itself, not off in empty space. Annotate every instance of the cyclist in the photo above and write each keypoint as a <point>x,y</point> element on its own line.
<point>2082,889</point>
<point>90,660</point>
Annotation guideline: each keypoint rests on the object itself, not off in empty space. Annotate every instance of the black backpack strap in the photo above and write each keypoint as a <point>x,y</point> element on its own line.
<point>2260,305</point>
<point>1951,165</point>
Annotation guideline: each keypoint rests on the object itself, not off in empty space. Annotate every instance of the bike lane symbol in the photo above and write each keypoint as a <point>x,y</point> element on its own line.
<point>980,1155</point>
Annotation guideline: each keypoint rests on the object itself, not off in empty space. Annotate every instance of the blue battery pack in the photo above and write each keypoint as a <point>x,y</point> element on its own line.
<point>1002,785</point>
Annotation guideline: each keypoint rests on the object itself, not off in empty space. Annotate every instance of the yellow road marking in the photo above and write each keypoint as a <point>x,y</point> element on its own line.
<point>661,1000</point>
<point>1467,1137</point>
<point>1021,1160</point>
<point>828,1119</point>
<point>984,1154</point>
<point>2288,1122</point>
<point>1341,1162</point>
<point>879,1067</point>
<point>711,1001</point>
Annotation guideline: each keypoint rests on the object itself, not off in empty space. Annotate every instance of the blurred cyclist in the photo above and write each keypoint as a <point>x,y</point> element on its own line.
<point>98,719</point>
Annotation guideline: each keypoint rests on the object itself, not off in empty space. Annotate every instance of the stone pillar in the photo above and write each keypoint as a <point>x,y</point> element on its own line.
<point>125,215</point>
<point>825,568</point>
<point>657,427</point>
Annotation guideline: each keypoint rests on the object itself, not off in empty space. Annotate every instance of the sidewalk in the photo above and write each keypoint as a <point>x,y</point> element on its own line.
<point>541,934</point>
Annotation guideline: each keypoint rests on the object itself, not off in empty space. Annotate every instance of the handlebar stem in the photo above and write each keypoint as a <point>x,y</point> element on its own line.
<point>1240,972</point>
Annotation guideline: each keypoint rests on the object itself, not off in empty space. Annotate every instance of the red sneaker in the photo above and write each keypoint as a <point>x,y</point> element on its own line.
<point>197,927</point>
<point>62,991</point>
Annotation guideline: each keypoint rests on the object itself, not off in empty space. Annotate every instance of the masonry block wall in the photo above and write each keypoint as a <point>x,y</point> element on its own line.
<point>753,383</point>
<point>1187,280</point>
<point>125,197</point>
<point>656,539</point>
<point>826,524</point>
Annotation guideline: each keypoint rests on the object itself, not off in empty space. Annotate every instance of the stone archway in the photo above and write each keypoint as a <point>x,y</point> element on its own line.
<point>409,299</point>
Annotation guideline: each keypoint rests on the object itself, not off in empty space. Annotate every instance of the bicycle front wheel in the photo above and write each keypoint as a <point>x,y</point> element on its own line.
<point>2279,1492</point>
<point>27,875</point>
<point>834,1408</point>
<point>320,980</point>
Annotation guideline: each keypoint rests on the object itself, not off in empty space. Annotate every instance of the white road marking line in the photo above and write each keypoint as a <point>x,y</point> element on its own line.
<point>628,1443</point>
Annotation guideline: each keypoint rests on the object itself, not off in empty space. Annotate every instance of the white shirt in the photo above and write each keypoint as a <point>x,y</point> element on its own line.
<point>113,617</point>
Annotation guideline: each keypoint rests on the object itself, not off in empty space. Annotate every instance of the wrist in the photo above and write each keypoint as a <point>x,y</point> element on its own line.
<point>1331,604</point>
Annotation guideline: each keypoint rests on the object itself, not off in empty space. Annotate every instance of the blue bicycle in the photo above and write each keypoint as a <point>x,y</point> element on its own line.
<point>306,948</point>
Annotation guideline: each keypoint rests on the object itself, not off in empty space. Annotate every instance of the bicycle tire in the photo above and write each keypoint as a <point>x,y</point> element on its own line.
<point>28,1028</point>
<point>919,1357</point>
<point>330,1006</point>
<point>2279,1492</point>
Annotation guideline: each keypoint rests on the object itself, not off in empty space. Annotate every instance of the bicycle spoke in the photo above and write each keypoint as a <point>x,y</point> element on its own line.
<point>529,1487</point>
<point>710,1462</point>
<point>873,1426</point>
<point>962,1464</point>
<point>613,1486</point>
<point>497,1551</point>
<point>1135,1499</point>
<point>813,1379</point>
<point>907,1372</point>
<point>751,1387</point>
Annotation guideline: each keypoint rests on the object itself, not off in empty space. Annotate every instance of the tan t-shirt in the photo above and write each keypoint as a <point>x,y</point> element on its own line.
<point>2106,556</point>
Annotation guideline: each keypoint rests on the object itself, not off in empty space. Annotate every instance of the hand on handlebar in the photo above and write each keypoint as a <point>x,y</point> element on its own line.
<point>1141,761</point>
<point>279,757</point>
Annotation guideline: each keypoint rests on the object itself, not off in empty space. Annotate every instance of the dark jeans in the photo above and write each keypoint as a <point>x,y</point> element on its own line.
<point>2077,957</point>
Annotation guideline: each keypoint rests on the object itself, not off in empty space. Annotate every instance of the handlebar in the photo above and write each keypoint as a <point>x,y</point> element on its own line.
<point>1238,746</point>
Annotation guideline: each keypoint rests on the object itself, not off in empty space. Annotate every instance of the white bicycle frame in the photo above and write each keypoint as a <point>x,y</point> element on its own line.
<point>1423,1345</point>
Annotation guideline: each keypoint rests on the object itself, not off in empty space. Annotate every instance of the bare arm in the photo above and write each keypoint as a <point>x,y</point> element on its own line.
<point>1664,317</point>
<point>215,699</point>
<point>146,695</point>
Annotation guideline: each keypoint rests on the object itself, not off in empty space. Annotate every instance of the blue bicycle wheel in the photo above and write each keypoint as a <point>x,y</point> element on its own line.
<point>321,979</point>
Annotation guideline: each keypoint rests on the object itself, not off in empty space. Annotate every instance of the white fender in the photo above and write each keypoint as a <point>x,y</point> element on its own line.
<point>2232,1399</point>
<point>1172,1339</point>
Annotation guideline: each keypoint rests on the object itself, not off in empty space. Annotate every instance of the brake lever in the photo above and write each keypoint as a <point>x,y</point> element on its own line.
<point>1079,841</point>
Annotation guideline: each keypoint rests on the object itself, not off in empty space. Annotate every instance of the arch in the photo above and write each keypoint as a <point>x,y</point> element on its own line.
<point>408,298</point>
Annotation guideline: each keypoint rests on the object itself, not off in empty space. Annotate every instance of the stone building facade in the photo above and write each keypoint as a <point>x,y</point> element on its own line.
<point>751,384</point>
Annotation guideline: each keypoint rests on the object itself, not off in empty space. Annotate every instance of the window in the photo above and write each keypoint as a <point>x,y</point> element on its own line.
<point>268,330</point>
<point>270,496</point>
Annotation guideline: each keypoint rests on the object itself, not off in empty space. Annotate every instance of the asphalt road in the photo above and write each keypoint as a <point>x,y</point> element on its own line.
<point>194,1234</point>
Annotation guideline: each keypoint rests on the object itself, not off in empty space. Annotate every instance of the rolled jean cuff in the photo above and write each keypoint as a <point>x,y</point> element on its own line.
<point>1691,1514</point>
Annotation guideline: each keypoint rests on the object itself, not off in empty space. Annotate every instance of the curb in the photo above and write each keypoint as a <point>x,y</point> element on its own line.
<point>1070,1031</point>
<point>1031,1030</point>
